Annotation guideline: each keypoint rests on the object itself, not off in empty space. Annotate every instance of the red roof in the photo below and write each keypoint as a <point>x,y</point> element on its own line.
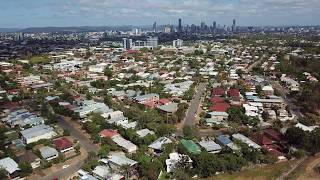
<point>164,101</point>
<point>261,139</point>
<point>273,150</point>
<point>219,91</point>
<point>217,99</point>
<point>10,105</point>
<point>62,143</point>
<point>221,107</point>
<point>132,51</point>
<point>234,92</point>
<point>108,133</point>
<point>150,104</point>
<point>273,134</point>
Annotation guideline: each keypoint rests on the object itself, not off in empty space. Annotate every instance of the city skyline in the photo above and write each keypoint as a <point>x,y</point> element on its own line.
<point>44,13</point>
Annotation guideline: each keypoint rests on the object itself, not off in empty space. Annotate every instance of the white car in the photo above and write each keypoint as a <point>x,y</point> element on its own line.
<point>65,166</point>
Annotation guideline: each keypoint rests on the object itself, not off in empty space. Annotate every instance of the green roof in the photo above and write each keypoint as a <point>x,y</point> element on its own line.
<point>191,146</point>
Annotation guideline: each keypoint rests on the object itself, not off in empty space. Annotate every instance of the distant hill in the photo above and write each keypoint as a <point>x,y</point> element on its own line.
<point>74,29</point>
<point>9,30</point>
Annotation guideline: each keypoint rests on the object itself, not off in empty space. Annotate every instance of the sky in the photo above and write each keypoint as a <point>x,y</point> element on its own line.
<point>43,13</point>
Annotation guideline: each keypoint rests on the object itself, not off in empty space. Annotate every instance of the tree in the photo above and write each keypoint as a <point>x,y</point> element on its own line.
<point>125,169</point>
<point>104,151</point>
<point>26,168</point>
<point>108,72</point>
<point>3,174</point>
<point>189,131</point>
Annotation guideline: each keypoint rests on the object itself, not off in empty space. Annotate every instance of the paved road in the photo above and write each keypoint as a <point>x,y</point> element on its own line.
<point>77,134</point>
<point>194,105</point>
<point>83,141</point>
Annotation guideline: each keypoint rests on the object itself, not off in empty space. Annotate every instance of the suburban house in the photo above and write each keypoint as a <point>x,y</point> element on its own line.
<point>108,133</point>
<point>63,145</point>
<point>156,146</point>
<point>191,146</point>
<point>225,141</point>
<point>174,159</point>
<point>210,146</point>
<point>31,158</point>
<point>11,167</point>
<point>246,140</point>
<point>144,132</point>
<point>125,144</point>
<point>48,153</point>
<point>83,175</point>
<point>146,98</point>
<point>37,133</point>
<point>105,172</point>
<point>169,108</point>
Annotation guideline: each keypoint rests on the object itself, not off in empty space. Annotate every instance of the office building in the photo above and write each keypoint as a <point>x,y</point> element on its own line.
<point>234,25</point>
<point>127,43</point>
<point>152,41</point>
<point>214,27</point>
<point>155,27</point>
<point>167,29</point>
<point>180,26</point>
<point>177,43</point>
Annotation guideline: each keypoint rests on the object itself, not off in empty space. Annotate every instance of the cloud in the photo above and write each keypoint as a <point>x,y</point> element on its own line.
<point>140,12</point>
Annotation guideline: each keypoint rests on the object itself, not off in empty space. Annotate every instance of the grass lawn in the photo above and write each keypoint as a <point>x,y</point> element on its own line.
<point>260,173</point>
<point>40,59</point>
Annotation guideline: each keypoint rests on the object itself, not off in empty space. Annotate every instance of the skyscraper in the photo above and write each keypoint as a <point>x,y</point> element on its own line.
<point>155,27</point>
<point>180,26</point>
<point>234,25</point>
<point>214,27</point>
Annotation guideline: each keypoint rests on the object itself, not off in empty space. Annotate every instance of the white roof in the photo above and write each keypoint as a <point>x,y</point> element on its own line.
<point>121,159</point>
<point>218,113</point>
<point>9,165</point>
<point>267,88</point>
<point>246,140</point>
<point>124,143</point>
<point>143,132</point>
<point>305,128</point>
<point>159,142</point>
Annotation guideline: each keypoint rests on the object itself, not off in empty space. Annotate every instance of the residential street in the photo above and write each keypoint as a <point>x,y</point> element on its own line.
<point>194,105</point>
<point>83,141</point>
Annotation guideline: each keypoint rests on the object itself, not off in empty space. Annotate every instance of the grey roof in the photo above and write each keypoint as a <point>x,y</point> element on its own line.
<point>9,165</point>
<point>210,145</point>
<point>47,151</point>
<point>159,143</point>
<point>36,131</point>
<point>120,160</point>
<point>169,108</point>
<point>246,140</point>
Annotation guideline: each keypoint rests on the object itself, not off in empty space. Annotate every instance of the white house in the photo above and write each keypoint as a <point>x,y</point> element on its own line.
<point>37,133</point>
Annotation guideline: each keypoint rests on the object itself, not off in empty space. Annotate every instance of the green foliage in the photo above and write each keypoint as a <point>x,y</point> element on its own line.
<point>104,151</point>
<point>44,59</point>
<point>189,132</point>
<point>108,72</point>
<point>3,174</point>
<point>237,115</point>
<point>26,168</point>
<point>309,141</point>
